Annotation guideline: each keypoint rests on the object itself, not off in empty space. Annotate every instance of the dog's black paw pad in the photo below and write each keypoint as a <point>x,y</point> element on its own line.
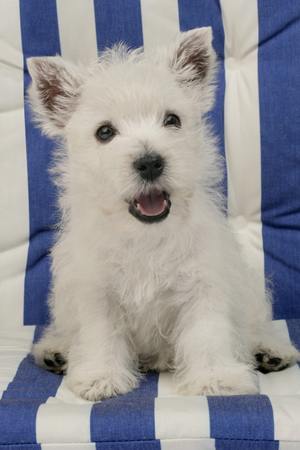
<point>49,362</point>
<point>268,363</point>
<point>259,357</point>
<point>60,360</point>
<point>56,364</point>
<point>273,362</point>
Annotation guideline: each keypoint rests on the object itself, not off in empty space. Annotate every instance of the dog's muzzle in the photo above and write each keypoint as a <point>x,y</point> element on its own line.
<point>154,206</point>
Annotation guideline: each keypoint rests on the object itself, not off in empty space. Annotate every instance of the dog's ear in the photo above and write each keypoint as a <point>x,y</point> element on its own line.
<point>53,92</point>
<point>193,59</point>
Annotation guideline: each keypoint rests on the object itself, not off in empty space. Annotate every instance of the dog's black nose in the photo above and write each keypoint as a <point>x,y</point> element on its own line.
<point>149,167</point>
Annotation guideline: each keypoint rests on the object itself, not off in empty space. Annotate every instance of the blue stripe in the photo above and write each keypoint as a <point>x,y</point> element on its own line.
<point>30,387</point>
<point>40,37</point>
<point>31,382</point>
<point>221,444</point>
<point>126,418</point>
<point>21,447</point>
<point>294,333</point>
<point>137,445</point>
<point>205,13</point>
<point>17,421</point>
<point>279,92</point>
<point>148,387</point>
<point>118,21</point>
<point>241,417</point>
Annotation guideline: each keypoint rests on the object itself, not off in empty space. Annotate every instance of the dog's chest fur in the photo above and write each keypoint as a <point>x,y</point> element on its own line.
<point>143,292</point>
<point>139,278</point>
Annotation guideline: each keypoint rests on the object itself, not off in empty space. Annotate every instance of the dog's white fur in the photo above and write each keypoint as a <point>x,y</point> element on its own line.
<point>174,295</point>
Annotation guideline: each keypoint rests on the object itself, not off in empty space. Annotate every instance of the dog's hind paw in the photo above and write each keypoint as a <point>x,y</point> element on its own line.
<point>55,363</point>
<point>266,362</point>
<point>273,356</point>
<point>50,356</point>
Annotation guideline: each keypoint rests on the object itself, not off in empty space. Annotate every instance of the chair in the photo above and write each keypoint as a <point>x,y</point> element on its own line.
<point>257,119</point>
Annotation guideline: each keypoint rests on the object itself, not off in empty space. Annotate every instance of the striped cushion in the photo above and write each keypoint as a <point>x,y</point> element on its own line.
<point>256,117</point>
<point>37,408</point>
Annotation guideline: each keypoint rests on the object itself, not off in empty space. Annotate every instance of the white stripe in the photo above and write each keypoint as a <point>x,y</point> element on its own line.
<point>14,209</point>
<point>15,344</point>
<point>63,423</point>
<point>286,382</point>
<point>286,411</point>
<point>188,444</point>
<point>281,330</point>
<point>78,446</point>
<point>77,30</point>
<point>242,126</point>
<point>289,445</point>
<point>165,386</point>
<point>181,418</point>
<point>160,22</point>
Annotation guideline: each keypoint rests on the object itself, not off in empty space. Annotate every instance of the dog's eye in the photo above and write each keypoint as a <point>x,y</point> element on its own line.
<point>105,133</point>
<point>171,120</point>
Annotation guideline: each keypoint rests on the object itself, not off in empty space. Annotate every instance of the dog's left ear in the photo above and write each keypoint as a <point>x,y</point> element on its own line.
<point>193,59</point>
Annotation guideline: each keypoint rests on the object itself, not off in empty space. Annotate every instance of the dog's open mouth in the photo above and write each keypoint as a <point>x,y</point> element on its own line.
<point>152,207</point>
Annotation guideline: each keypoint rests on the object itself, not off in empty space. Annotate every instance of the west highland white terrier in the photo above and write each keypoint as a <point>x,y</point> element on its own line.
<point>147,273</point>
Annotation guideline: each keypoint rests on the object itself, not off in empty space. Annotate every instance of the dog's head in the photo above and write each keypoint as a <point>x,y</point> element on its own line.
<point>134,125</point>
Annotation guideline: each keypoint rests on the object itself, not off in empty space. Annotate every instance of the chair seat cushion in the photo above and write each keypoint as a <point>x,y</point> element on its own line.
<point>37,408</point>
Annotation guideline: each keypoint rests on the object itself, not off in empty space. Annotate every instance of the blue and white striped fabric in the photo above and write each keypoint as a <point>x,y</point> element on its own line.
<point>257,120</point>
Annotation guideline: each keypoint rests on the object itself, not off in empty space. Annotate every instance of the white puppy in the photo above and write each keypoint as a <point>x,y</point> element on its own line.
<point>147,273</point>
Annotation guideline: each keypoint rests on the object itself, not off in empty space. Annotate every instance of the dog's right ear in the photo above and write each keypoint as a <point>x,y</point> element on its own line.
<point>53,92</point>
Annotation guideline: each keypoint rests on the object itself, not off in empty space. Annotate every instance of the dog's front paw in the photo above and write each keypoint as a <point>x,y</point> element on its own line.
<point>219,386</point>
<point>102,387</point>
<point>235,382</point>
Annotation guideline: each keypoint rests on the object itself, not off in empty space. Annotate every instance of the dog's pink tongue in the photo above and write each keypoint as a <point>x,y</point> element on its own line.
<point>152,204</point>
